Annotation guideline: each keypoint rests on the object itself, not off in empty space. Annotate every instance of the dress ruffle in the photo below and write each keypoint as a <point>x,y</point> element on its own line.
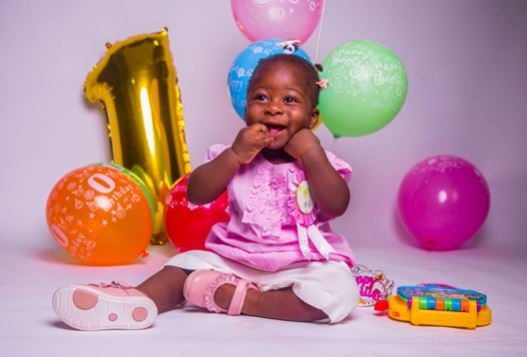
<point>270,207</point>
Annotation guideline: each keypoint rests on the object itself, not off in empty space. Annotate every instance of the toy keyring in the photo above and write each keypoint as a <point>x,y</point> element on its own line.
<point>373,285</point>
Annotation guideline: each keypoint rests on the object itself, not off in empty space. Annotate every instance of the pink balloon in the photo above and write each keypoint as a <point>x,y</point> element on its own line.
<point>287,20</point>
<point>443,201</point>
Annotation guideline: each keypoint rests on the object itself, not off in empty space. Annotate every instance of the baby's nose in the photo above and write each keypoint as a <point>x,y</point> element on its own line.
<point>274,108</point>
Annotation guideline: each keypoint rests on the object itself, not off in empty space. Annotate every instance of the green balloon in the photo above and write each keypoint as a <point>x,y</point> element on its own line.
<point>137,180</point>
<point>367,86</point>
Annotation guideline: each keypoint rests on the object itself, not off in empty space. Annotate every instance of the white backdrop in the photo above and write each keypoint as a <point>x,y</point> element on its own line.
<point>467,97</point>
<point>466,64</point>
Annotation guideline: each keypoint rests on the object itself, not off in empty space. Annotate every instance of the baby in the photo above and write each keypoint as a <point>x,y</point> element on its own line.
<point>277,257</point>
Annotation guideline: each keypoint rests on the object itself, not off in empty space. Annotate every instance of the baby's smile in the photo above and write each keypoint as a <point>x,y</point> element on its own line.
<point>275,129</point>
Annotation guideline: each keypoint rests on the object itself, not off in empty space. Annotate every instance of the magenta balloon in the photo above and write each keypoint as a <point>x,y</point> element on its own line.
<point>443,201</point>
<point>288,20</point>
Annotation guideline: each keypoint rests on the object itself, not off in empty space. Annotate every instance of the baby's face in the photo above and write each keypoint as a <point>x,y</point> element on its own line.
<point>279,99</point>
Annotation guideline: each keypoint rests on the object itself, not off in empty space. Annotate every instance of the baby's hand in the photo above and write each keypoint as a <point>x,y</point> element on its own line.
<point>302,143</point>
<point>250,141</point>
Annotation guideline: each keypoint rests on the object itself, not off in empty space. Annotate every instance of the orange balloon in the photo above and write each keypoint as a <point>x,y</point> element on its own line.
<point>100,216</point>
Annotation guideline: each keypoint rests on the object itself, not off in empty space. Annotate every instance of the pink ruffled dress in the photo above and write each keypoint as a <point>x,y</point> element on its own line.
<point>274,223</point>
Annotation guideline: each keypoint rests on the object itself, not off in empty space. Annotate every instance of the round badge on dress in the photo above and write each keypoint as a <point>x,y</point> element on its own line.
<point>303,198</point>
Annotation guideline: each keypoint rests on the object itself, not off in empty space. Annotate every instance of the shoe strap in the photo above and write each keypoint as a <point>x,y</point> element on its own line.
<point>113,284</point>
<point>220,280</point>
<point>238,298</point>
<point>122,285</point>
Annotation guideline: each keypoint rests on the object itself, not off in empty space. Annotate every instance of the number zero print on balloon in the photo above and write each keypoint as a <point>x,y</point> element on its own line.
<point>59,235</point>
<point>101,183</point>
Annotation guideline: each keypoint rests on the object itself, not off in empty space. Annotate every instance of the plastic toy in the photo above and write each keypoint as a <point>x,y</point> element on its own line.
<point>438,305</point>
<point>373,285</point>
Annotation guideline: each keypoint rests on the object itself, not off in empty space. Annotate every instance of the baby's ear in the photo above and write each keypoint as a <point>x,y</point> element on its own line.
<point>314,120</point>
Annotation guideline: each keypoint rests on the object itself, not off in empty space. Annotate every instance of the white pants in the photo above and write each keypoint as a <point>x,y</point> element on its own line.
<point>328,286</point>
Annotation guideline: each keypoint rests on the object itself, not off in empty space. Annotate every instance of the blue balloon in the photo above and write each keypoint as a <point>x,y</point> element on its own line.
<point>243,66</point>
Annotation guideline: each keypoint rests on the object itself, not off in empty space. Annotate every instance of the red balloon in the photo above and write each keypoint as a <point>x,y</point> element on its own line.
<point>188,225</point>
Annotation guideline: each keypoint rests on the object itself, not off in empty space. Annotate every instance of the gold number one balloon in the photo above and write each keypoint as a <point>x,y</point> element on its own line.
<point>136,84</point>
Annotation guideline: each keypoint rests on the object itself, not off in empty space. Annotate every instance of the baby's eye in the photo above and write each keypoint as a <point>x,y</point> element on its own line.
<point>260,97</point>
<point>290,99</point>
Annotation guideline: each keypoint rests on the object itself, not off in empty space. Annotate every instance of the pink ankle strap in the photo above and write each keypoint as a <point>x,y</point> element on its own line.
<point>113,284</point>
<point>238,298</point>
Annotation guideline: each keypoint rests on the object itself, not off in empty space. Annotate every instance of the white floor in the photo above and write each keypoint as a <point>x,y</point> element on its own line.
<point>28,278</point>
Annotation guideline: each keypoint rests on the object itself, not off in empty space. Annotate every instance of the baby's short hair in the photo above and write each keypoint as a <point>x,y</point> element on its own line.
<point>310,73</point>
